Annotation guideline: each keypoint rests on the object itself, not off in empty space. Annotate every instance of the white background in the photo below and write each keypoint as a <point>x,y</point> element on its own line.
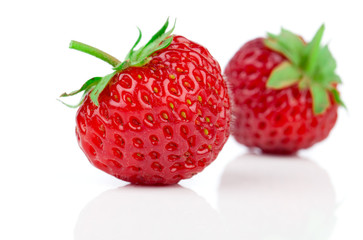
<point>50,191</point>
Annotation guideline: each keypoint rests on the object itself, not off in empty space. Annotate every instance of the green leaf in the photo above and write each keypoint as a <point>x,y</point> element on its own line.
<point>325,68</point>
<point>125,64</point>
<point>99,87</point>
<point>336,79</point>
<point>312,51</point>
<point>159,33</point>
<point>164,44</point>
<point>284,75</point>
<point>325,61</point>
<point>140,57</point>
<point>76,105</point>
<point>337,98</point>
<point>320,98</point>
<point>128,56</point>
<point>143,60</point>
<point>86,87</point>
<point>155,42</point>
<point>288,44</point>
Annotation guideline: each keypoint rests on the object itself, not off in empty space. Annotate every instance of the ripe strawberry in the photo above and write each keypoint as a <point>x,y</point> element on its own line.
<point>162,115</point>
<point>285,92</point>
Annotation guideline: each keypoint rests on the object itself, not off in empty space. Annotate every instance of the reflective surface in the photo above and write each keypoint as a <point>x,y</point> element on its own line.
<point>259,197</point>
<point>265,197</point>
<point>137,212</point>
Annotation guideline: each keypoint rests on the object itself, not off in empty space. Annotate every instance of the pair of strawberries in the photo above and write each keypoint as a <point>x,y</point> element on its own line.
<point>164,113</point>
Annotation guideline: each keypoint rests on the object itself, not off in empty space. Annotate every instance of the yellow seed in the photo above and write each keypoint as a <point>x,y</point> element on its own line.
<point>207,119</point>
<point>198,79</point>
<point>165,116</point>
<point>179,69</point>
<point>200,98</point>
<point>139,76</point>
<point>189,102</point>
<point>146,98</point>
<point>183,114</point>
<point>156,90</point>
<point>150,118</point>
<point>171,105</point>
<point>206,132</point>
<point>210,147</point>
<point>128,99</point>
<point>172,76</point>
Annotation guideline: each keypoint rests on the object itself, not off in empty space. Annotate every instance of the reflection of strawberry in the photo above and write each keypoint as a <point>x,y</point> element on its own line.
<point>161,116</point>
<point>161,212</point>
<point>273,197</point>
<point>285,92</point>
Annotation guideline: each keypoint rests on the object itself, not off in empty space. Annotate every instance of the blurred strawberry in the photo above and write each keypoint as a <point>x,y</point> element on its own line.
<point>284,91</point>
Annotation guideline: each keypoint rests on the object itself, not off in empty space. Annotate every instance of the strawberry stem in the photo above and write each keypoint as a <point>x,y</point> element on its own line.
<point>94,52</point>
<point>135,58</point>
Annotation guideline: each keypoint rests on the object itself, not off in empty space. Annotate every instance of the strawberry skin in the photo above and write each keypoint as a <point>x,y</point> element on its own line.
<point>279,121</point>
<point>161,122</point>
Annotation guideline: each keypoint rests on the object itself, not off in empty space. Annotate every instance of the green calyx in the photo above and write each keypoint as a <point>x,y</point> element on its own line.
<point>134,58</point>
<point>310,65</point>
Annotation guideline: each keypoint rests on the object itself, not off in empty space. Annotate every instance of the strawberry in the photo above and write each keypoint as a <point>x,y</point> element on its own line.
<point>285,92</point>
<point>161,116</point>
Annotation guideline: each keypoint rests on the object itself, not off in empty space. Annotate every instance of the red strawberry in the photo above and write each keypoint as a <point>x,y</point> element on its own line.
<point>162,115</point>
<point>285,95</point>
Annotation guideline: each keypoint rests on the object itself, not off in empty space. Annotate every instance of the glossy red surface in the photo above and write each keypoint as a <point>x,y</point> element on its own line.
<point>159,123</point>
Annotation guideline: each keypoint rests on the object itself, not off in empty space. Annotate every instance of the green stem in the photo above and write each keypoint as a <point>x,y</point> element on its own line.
<point>94,52</point>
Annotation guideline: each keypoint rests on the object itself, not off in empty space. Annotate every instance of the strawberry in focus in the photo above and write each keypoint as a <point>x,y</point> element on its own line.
<point>162,115</point>
<point>284,92</point>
